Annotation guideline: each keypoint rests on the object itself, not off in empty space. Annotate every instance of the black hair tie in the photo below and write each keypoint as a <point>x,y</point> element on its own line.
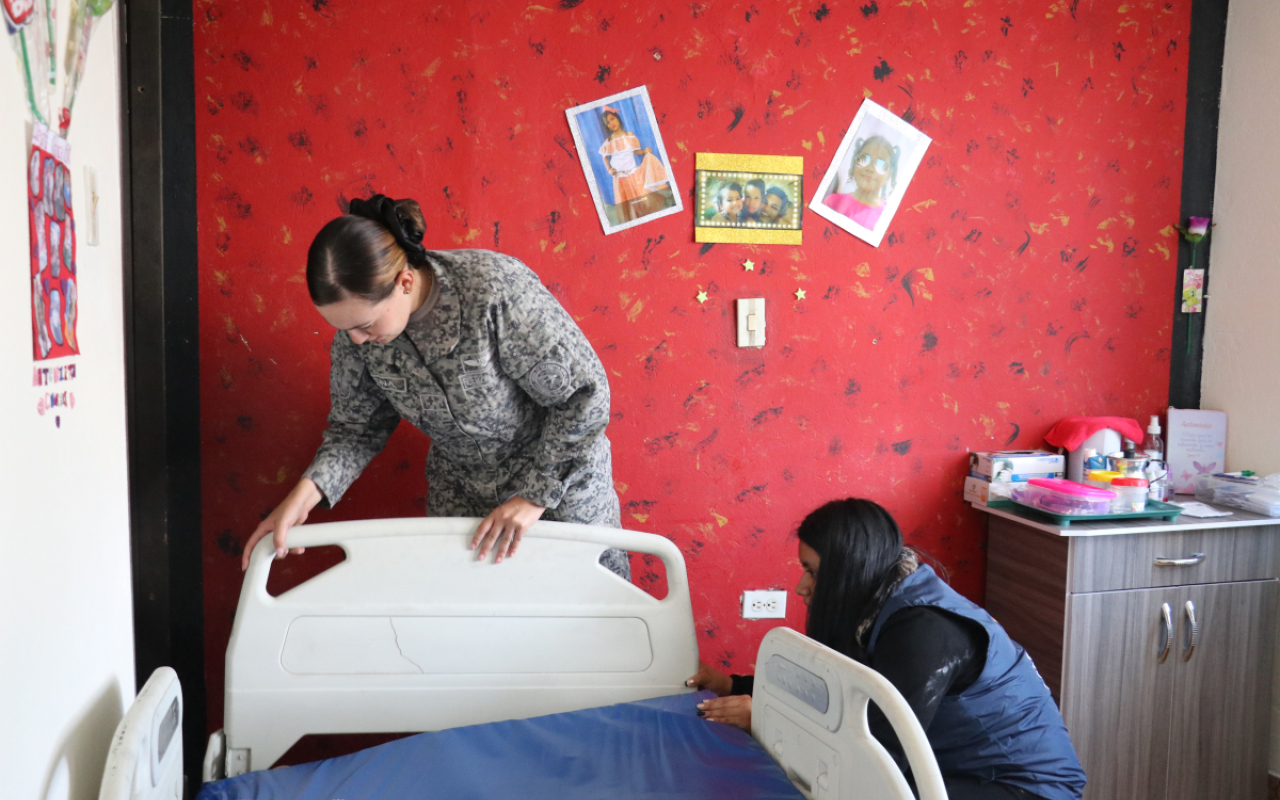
<point>382,209</point>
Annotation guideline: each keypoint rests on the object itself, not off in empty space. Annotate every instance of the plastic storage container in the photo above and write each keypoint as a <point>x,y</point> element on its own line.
<point>1252,493</point>
<point>1131,495</point>
<point>1064,497</point>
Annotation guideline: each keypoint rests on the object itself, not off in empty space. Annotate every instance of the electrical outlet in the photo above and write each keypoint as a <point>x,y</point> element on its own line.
<point>764,604</point>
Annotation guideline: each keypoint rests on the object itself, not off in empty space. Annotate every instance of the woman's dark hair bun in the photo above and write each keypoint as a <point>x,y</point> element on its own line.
<point>397,217</point>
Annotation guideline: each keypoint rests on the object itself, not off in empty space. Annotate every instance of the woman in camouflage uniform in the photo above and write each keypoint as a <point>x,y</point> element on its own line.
<point>470,348</point>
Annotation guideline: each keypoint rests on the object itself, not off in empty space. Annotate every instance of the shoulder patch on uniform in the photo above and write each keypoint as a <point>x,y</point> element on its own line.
<point>549,378</point>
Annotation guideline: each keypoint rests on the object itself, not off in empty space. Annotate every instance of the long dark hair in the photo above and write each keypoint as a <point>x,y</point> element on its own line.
<point>862,561</point>
<point>360,253</point>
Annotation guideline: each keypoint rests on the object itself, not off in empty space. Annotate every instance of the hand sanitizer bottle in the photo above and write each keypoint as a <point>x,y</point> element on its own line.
<point>1153,445</point>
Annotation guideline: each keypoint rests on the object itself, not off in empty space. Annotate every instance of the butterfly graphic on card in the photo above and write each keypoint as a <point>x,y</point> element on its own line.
<point>1202,468</point>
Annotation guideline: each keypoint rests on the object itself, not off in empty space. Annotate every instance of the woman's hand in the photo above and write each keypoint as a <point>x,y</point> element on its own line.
<point>710,678</point>
<point>293,511</point>
<point>734,710</point>
<point>505,527</point>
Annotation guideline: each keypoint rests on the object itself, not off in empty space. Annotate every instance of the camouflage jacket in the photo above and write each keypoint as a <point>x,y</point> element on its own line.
<point>504,382</point>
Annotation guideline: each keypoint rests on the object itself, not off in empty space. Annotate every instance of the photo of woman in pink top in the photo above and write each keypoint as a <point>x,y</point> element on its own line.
<point>874,172</point>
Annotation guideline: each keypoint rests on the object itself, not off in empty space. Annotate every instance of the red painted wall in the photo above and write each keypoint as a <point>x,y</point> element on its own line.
<point>1029,274</point>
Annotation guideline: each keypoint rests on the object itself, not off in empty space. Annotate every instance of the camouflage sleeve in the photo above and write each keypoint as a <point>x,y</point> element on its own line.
<point>546,353</point>
<point>361,419</point>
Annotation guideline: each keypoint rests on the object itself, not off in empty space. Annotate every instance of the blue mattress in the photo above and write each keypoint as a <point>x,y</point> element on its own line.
<point>655,748</point>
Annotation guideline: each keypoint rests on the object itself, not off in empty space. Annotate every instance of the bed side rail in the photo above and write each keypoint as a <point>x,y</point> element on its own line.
<point>412,633</point>
<point>145,759</point>
<point>809,710</point>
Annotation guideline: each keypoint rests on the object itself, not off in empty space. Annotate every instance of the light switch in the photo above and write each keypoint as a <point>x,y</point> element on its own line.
<point>751,322</point>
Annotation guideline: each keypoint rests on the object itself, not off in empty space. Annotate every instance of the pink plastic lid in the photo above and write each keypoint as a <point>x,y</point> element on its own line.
<point>1071,487</point>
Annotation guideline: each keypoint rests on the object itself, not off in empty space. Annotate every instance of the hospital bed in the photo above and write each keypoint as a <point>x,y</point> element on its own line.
<point>411,633</point>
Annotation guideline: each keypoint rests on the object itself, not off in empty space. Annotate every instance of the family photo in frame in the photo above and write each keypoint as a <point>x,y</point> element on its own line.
<point>869,175</point>
<point>748,198</point>
<point>624,160</point>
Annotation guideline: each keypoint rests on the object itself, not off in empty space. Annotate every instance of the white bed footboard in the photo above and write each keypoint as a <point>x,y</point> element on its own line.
<point>411,633</point>
<point>809,710</point>
<point>145,759</point>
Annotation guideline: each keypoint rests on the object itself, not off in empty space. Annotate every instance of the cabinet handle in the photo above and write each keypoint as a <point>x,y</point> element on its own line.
<point>1195,558</point>
<point>1166,625</point>
<point>1193,634</point>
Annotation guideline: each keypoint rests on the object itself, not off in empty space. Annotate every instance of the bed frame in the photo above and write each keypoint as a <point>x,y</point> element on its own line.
<point>809,710</point>
<point>410,633</point>
<point>145,759</point>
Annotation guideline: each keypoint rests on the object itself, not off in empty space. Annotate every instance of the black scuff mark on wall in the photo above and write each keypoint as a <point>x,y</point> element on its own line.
<point>705,443</point>
<point>737,117</point>
<point>929,340</point>
<point>768,415</point>
<point>1075,337</point>
<point>906,284</point>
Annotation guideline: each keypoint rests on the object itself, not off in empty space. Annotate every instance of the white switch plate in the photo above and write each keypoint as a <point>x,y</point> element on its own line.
<point>751,322</point>
<point>771,604</point>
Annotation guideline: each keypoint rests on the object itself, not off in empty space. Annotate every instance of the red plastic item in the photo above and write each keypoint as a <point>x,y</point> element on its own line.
<point>1141,482</point>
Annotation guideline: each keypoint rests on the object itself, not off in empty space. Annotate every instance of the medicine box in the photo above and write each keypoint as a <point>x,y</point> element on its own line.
<point>984,493</point>
<point>1013,466</point>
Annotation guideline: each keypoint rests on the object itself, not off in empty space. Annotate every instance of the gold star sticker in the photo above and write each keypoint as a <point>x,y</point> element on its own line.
<point>749,265</point>
<point>799,294</point>
<point>702,297</point>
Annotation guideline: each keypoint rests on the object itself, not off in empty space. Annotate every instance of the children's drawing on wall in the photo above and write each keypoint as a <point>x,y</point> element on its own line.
<point>54,296</point>
<point>624,160</point>
<point>868,177</point>
<point>748,198</point>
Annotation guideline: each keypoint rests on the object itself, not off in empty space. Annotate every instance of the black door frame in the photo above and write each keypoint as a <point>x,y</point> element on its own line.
<point>157,68</point>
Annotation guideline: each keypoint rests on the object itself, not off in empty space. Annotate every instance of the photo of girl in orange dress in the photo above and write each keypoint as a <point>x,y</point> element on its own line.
<point>624,161</point>
<point>631,180</point>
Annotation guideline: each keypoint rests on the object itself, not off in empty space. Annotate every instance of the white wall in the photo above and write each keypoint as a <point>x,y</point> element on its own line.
<point>1242,327</point>
<point>66,633</point>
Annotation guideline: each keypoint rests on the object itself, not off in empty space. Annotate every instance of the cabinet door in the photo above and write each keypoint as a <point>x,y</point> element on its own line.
<point>1221,711</point>
<point>1116,689</point>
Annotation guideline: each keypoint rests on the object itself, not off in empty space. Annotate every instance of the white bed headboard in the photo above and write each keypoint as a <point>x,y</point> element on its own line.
<point>145,759</point>
<point>356,649</point>
<point>809,710</point>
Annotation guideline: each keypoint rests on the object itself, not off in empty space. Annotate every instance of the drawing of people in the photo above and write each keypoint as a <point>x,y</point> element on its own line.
<point>874,172</point>
<point>636,170</point>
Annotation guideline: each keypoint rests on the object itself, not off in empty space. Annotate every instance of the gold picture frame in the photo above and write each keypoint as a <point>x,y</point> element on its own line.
<point>748,199</point>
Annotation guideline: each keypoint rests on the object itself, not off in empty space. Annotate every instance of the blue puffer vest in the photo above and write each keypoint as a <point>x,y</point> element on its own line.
<point>1005,727</point>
